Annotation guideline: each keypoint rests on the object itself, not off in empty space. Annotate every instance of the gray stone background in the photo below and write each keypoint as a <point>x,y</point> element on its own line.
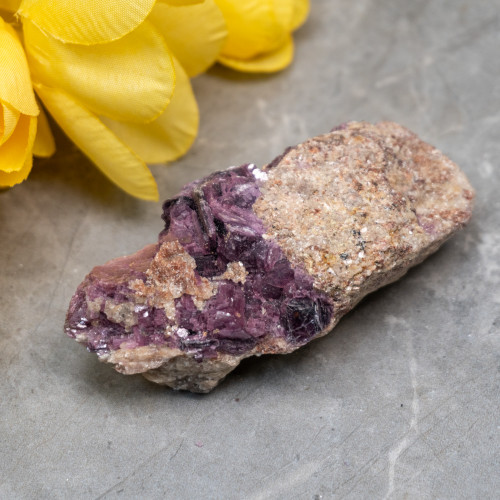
<point>401,401</point>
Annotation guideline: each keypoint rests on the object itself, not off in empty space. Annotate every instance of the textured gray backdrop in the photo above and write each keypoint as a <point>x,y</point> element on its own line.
<point>401,401</point>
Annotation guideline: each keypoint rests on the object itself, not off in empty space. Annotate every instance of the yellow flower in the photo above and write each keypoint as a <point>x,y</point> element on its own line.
<point>18,110</point>
<point>112,75</point>
<point>115,75</point>
<point>259,38</point>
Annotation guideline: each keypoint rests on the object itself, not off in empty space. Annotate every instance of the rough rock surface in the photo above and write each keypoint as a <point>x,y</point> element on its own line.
<point>258,261</point>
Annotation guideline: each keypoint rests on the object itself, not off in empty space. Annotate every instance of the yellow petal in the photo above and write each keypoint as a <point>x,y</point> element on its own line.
<point>195,34</point>
<point>10,179</point>
<point>181,2</point>
<point>266,63</point>
<point>172,134</point>
<point>17,148</point>
<point>15,82</point>
<point>130,79</point>
<point>253,28</point>
<point>10,5</point>
<point>89,133</point>
<point>283,11</point>
<point>300,13</point>
<point>44,145</point>
<point>8,121</point>
<point>86,22</point>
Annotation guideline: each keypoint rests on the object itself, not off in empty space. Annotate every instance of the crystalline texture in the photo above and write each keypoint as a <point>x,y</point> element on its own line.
<point>262,261</point>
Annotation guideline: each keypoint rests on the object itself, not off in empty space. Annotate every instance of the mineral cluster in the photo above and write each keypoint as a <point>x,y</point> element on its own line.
<point>261,261</point>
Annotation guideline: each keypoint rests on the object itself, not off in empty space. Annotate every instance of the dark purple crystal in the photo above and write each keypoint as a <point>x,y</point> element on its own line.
<point>214,222</point>
<point>216,225</point>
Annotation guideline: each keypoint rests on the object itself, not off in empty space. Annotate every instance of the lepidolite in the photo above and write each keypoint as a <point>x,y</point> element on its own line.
<point>258,261</point>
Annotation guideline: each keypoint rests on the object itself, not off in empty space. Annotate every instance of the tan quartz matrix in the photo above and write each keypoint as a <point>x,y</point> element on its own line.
<point>358,206</point>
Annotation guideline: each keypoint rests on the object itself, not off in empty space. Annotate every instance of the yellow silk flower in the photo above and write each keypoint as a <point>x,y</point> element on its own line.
<point>259,33</point>
<point>116,82</point>
<point>115,75</point>
<point>18,110</point>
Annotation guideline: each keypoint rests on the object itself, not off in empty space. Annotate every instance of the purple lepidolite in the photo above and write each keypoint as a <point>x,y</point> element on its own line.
<point>258,261</point>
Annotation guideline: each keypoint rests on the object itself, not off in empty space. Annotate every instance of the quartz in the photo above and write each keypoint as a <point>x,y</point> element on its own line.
<point>262,261</point>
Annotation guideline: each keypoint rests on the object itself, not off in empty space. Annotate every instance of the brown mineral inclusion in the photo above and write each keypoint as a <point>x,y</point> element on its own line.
<point>262,261</point>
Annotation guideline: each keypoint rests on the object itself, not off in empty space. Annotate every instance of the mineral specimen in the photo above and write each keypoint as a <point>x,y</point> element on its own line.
<point>257,261</point>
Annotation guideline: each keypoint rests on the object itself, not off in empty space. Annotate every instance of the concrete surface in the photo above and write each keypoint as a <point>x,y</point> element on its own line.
<point>401,401</point>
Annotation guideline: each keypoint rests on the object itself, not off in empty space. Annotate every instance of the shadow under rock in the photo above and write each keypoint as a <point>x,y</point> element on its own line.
<point>95,377</point>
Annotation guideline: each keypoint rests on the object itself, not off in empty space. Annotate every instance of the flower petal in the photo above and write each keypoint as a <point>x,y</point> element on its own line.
<point>17,148</point>
<point>44,145</point>
<point>266,63</point>
<point>253,28</point>
<point>70,20</point>
<point>8,121</point>
<point>10,5</point>
<point>10,179</point>
<point>300,13</point>
<point>195,34</point>
<point>131,79</point>
<point>89,133</point>
<point>181,2</point>
<point>15,82</point>
<point>283,11</point>
<point>172,134</point>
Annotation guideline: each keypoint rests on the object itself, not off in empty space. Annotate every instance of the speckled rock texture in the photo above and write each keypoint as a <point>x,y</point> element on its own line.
<point>262,261</point>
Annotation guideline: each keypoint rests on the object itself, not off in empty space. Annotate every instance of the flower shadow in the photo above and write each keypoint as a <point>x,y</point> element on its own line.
<point>71,175</point>
<point>220,71</point>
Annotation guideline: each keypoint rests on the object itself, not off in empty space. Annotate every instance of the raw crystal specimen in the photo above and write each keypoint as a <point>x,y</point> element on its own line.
<point>258,261</point>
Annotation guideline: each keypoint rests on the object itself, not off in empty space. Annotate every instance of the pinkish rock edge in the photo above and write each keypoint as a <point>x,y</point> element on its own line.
<point>262,261</point>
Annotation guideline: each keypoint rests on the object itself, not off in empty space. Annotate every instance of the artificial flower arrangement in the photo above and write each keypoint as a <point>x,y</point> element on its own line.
<point>115,75</point>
